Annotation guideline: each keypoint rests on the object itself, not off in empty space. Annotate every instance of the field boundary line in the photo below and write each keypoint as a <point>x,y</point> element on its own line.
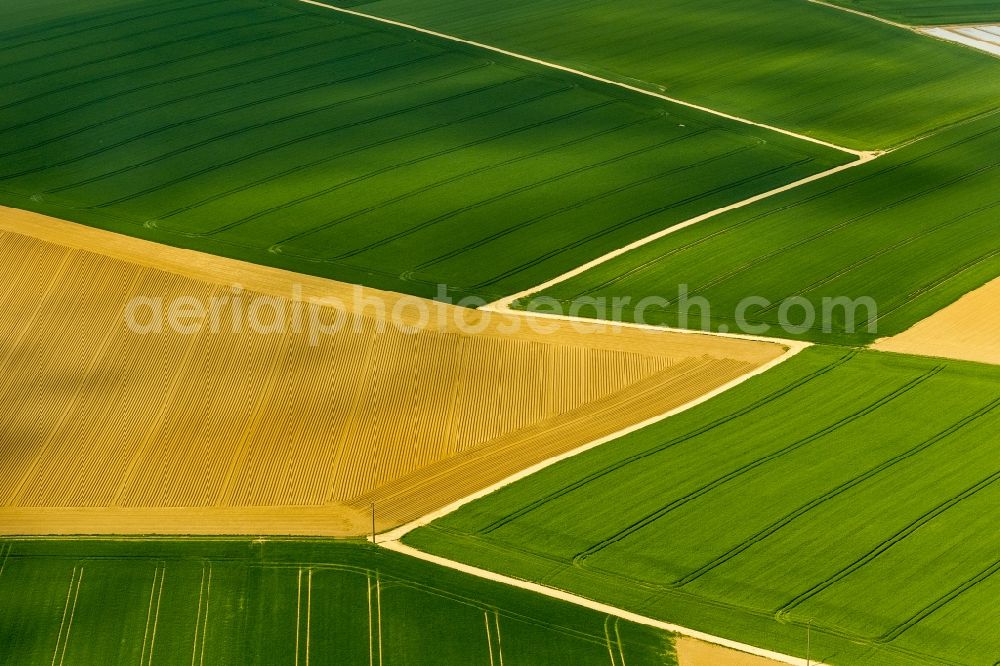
<point>391,540</point>
<point>593,77</point>
<point>646,215</point>
<point>499,308</point>
<point>793,348</point>
<point>670,443</point>
<point>863,156</point>
<point>931,31</point>
<point>561,595</point>
<point>873,17</point>
<point>952,34</point>
<point>505,303</point>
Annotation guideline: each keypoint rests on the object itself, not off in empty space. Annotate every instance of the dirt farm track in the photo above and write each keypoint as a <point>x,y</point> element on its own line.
<point>237,432</point>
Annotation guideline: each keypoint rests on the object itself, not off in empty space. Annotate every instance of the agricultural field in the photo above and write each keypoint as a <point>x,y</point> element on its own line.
<point>299,137</point>
<point>86,602</point>
<point>282,274</point>
<point>795,64</point>
<point>856,492</point>
<point>42,15</point>
<point>913,230</point>
<point>982,37</point>
<point>928,12</point>
<point>966,330</point>
<point>245,421</point>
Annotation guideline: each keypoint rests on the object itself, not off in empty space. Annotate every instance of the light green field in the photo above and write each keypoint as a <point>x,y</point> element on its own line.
<point>298,137</point>
<point>929,12</point>
<point>88,602</point>
<point>858,491</point>
<point>913,230</point>
<point>792,63</point>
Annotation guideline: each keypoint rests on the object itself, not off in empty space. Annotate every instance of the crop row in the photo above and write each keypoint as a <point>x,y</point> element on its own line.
<point>339,146</point>
<point>831,491</point>
<point>911,231</point>
<point>249,411</point>
<point>211,602</point>
<point>805,68</point>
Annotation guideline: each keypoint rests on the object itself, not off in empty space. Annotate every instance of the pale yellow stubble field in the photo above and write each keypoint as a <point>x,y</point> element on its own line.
<point>107,430</point>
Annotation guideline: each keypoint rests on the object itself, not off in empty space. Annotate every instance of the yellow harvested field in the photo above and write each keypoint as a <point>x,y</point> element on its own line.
<point>692,652</point>
<point>965,330</point>
<point>250,423</point>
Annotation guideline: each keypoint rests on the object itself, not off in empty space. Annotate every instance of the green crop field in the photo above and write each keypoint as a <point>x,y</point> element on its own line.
<point>220,601</point>
<point>841,506</point>
<point>858,491</point>
<point>793,64</point>
<point>299,137</point>
<point>913,230</point>
<point>46,14</point>
<point>929,12</point>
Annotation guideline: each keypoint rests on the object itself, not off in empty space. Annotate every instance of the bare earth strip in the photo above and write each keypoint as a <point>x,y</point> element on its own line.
<point>982,37</point>
<point>105,430</point>
<point>692,652</point>
<point>968,330</point>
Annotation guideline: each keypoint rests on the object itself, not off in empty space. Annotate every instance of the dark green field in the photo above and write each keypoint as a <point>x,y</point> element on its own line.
<point>914,231</point>
<point>216,601</point>
<point>858,491</point>
<point>790,63</point>
<point>298,137</point>
<point>929,12</point>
